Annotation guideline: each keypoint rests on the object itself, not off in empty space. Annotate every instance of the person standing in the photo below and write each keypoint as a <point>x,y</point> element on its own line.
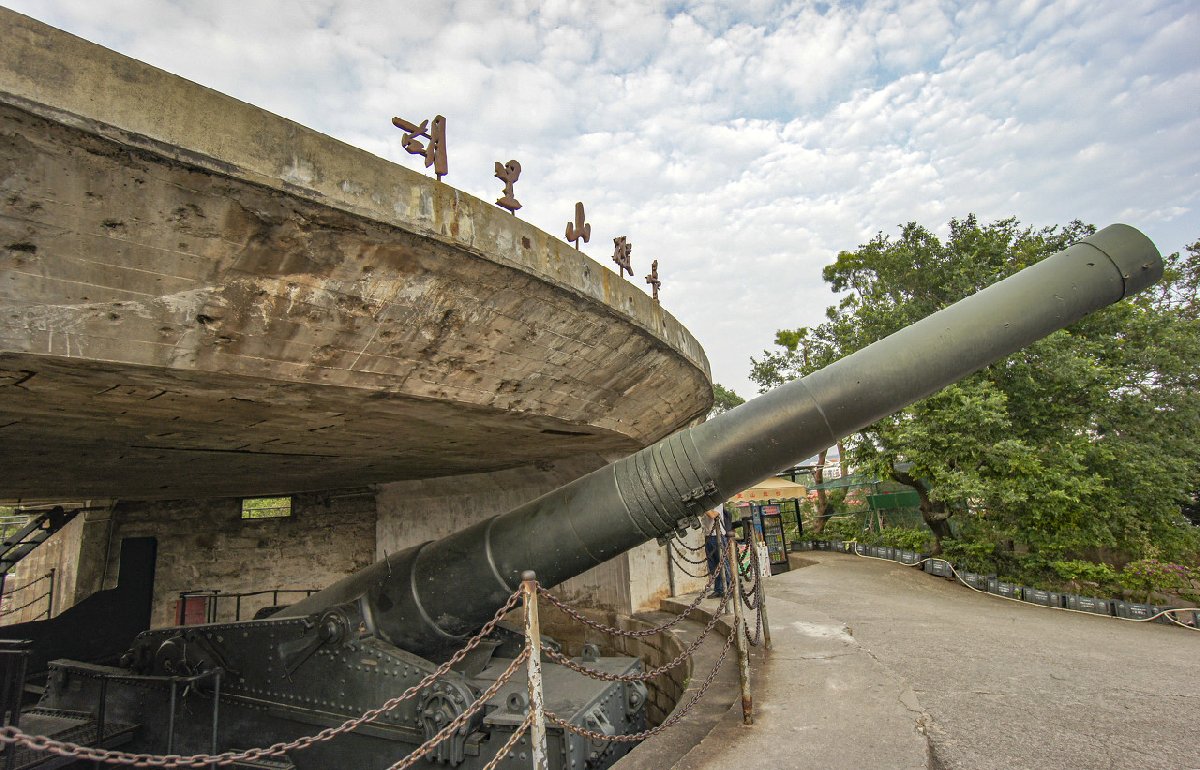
<point>718,527</point>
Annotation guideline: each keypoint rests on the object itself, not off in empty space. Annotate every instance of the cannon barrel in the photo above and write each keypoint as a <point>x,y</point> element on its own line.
<point>428,598</point>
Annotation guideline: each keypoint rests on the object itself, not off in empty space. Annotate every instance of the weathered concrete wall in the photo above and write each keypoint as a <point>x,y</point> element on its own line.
<point>207,545</point>
<point>59,553</point>
<point>165,250</point>
<point>199,126</point>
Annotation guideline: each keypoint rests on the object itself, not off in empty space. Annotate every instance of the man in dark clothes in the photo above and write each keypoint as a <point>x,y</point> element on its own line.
<point>718,527</point>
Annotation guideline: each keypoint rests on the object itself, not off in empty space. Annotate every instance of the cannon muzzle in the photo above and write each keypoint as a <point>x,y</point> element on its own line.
<point>428,598</point>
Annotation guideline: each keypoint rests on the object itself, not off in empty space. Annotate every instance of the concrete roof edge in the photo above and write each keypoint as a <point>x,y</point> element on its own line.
<point>70,80</point>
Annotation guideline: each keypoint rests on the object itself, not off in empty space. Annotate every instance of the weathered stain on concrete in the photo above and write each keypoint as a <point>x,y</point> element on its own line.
<point>198,297</point>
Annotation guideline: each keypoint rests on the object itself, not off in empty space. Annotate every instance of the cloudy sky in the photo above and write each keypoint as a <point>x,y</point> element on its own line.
<point>743,143</point>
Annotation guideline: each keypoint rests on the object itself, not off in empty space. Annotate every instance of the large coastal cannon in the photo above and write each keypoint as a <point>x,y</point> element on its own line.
<point>351,646</point>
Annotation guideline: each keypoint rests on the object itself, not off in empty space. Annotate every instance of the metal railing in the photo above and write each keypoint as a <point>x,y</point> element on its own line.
<point>22,602</point>
<point>210,599</point>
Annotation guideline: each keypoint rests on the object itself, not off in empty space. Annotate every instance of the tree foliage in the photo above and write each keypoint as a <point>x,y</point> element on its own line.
<point>724,399</point>
<point>1081,445</point>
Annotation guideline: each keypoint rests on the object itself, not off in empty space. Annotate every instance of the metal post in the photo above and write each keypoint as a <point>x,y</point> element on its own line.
<point>216,711</point>
<point>739,638</point>
<point>238,608</point>
<point>760,592</point>
<point>171,720</point>
<point>533,641</point>
<point>670,569</point>
<point>50,596</point>
<point>100,709</point>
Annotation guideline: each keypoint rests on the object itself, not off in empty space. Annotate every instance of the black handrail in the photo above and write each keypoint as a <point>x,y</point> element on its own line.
<point>216,594</point>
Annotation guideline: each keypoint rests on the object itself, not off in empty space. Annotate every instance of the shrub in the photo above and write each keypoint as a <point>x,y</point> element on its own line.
<point>842,528</point>
<point>910,538</point>
<point>1154,575</point>
<point>971,555</point>
<point>1090,571</point>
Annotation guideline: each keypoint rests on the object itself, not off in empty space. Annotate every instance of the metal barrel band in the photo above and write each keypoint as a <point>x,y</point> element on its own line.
<point>12,736</point>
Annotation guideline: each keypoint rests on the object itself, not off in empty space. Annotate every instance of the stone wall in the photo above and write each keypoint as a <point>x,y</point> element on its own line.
<point>205,544</point>
<point>654,651</point>
<point>26,586</point>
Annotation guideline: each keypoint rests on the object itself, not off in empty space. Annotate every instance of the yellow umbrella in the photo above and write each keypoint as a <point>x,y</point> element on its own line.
<point>773,488</point>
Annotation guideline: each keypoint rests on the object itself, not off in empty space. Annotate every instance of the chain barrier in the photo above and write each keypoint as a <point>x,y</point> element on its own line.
<point>574,614</point>
<point>758,628</point>
<point>683,568</point>
<point>35,581</point>
<point>13,736</point>
<point>669,722</point>
<point>649,674</point>
<point>678,552</point>
<point>11,610</point>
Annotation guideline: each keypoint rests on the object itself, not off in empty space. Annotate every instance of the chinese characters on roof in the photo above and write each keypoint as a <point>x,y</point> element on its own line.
<point>433,150</point>
<point>428,140</point>
<point>580,229</point>
<point>622,248</point>
<point>508,173</point>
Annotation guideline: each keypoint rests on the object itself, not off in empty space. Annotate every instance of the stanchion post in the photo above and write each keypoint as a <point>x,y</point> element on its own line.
<point>533,642</point>
<point>739,638</point>
<point>760,591</point>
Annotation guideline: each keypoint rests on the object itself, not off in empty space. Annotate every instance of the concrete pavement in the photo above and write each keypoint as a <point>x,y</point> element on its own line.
<point>878,665</point>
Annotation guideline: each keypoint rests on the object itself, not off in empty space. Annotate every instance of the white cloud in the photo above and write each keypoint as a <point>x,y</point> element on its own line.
<point>742,145</point>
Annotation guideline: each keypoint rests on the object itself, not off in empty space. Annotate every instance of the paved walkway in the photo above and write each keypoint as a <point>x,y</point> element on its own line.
<point>877,665</point>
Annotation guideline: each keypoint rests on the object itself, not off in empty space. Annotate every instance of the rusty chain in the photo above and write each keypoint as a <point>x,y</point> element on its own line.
<point>15,589</point>
<point>670,721</point>
<point>679,552</point>
<point>12,736</point>
<point>682,567</point>
<point>603,628</point>
<point>11,610</point>
<point>758,629</point>
<point>644,676</point>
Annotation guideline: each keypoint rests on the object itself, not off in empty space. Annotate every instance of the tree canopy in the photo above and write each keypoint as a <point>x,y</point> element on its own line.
<point>724,399</point>
<point>1082,445</point>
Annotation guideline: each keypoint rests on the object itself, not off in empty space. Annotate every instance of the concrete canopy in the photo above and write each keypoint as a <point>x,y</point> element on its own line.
<point>200,299</point>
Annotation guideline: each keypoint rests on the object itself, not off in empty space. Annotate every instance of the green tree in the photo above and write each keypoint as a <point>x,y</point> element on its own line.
<point>724,399</point>
<point>1080,445</point>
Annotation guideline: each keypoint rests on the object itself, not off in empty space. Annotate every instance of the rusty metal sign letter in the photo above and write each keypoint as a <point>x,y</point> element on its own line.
<point>579,229</point>
<point>508,173</point>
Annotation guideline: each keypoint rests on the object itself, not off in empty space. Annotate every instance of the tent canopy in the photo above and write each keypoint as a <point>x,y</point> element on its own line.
<point>773,488</point>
